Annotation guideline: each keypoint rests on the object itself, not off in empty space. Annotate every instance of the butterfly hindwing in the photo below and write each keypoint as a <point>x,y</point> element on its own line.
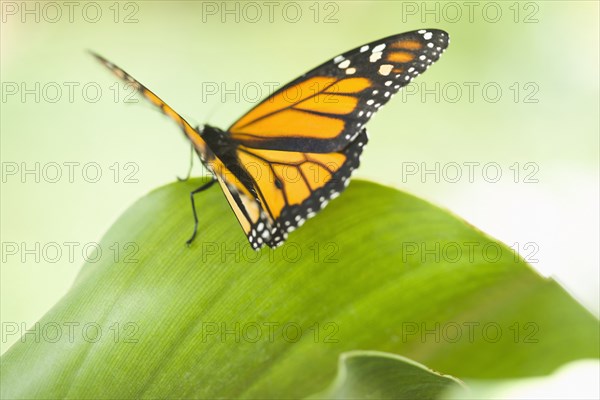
<point>293,186</point>
<point>323,110</point>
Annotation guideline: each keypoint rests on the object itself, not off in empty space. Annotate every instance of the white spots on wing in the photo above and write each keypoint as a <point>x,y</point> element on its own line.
<point>388,83</point>
<point>422,57</point>
<point>375,56</point>
<point>422,31</point>
<point>385,69</point>
<point>364,48</point>
<point>338,59</point>
<point>370,102</point>
<point>378,48</point>
<point>376,52</point>
<point>428,36</point>
<point>260,234</point>
<point>344,64</point>
<point>350,71</point>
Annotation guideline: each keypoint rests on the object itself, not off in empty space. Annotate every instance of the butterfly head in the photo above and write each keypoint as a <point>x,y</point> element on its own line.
<point>217,139</point>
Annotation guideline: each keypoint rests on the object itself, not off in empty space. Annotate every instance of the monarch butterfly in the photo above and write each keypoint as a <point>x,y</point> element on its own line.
<point>284,160</point>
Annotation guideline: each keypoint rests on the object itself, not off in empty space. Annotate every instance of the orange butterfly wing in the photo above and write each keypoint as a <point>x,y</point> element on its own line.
<point>191,133</point>
<point>323,110</point>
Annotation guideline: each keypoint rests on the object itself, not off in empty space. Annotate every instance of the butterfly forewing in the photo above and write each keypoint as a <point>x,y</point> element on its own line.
<point>188,130</point>
<point>323,110</point>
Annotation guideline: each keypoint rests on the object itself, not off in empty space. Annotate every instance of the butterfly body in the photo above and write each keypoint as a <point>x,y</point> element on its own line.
<point>284,160</point>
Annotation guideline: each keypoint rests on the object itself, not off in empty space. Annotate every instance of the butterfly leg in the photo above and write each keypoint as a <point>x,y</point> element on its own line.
<point>191,165</point>
<point>200,189</point>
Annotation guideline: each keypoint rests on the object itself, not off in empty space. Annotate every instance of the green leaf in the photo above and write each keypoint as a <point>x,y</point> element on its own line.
<point>153,318</point>
<point>378,375</point>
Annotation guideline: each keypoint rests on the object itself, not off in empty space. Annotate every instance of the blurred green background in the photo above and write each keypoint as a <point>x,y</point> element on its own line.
<point>518,84</point>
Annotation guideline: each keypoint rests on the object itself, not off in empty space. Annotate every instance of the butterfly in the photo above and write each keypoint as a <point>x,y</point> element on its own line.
<point>284,160</point>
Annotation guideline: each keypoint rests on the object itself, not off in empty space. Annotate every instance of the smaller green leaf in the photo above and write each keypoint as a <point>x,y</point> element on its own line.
<point>380,375</point>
